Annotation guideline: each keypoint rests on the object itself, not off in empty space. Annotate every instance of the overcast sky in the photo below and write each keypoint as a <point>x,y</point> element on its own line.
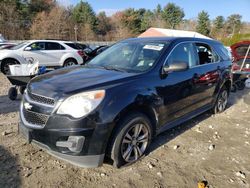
<point>191,7</point>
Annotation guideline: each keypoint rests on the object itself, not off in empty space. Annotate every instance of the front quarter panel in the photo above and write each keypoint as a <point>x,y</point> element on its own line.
<point>128,97</point>
<point>10,54</point>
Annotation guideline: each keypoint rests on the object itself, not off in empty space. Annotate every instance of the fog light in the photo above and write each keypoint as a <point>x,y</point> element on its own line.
<point>74,143</point>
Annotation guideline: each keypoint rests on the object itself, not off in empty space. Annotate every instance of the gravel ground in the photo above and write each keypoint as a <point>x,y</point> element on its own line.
<point>208,148</point>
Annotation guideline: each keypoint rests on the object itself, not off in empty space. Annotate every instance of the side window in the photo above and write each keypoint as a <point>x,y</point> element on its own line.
<point>206,54</point>
<point>183,53</point>
<point>54,46</point>
<point>37,46</point>
<point>224,52</point>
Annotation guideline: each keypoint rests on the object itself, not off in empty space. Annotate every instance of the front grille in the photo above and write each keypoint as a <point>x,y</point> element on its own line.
<point>35,118</point>
<point>41,99</point>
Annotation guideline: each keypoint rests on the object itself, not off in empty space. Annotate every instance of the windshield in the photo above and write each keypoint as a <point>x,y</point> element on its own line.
<point>19,46</point>
<point>130,56</point>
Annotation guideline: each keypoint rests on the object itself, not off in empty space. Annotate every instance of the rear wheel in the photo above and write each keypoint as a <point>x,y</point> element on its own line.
<point>5,65</point>
<point>131,140</point>
<point>221,102</point>
<point>70,62</point>
<point>240,85</point>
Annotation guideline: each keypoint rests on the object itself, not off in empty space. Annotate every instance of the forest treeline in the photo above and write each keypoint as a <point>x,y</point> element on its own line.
<point>37,19</point>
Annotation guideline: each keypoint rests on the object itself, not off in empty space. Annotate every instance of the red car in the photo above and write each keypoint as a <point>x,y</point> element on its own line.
<point>239,52</point>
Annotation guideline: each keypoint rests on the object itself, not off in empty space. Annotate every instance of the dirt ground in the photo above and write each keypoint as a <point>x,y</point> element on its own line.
<point>211,148</point>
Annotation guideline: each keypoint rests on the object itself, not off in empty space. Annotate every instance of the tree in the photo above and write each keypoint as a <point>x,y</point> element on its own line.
<point>203,24</point>
<point>147,20</point>
<point>218,25</point>
<point>233,24</point>
<point>36,6</point>
<point>84,14</point>
<point>84,17</point>
<point>103,24</point>
<point>157,20</point>
<point>131,19</point>
<point>9,19</point>
<point>219,22</point>
<point>172,15</point>
<point>51,25</point>
<point>119,31</point>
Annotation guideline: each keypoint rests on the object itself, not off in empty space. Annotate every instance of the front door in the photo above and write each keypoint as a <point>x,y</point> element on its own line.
<point>179,90</point>
<point>37,52</point>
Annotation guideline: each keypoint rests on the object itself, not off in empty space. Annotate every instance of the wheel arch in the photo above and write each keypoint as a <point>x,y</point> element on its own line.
<point>228,85</point>
<point>146,110</point>
<point>3,61</point>
<point>141,108</point>
<point>70,58</point>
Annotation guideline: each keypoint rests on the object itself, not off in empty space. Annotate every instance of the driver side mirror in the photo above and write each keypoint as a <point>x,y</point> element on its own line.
<point>175,66</point>
<point>28,48</point>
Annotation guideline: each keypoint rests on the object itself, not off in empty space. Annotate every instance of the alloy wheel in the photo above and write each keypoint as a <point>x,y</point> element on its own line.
<point>135,142</point>
<point>222,101</point>
<point>70,63</point>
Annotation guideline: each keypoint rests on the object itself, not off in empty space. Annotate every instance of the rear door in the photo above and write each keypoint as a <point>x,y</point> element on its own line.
<point>54,53</point>
<point>207,72</point>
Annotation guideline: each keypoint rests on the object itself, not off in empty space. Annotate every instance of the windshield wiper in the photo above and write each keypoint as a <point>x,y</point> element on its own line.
<point>113,68</point>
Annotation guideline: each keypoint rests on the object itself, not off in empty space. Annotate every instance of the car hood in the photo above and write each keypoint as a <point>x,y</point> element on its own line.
<point>68,81</point>
<point>10,53</point>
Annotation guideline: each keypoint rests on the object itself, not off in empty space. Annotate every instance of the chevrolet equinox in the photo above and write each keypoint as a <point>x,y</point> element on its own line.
<point>116,104</point>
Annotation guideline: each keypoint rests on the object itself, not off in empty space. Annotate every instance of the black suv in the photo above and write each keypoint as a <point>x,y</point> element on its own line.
<point>120,100</point>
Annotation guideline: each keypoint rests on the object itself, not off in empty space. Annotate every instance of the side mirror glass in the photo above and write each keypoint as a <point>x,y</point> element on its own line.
<point>175,66</point>
<point>28,48</point>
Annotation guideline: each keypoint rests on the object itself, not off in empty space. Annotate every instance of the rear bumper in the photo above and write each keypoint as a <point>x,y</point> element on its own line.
<point>78,159</point>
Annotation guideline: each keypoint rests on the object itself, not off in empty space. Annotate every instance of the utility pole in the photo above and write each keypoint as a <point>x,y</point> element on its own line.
<point>76,28</point>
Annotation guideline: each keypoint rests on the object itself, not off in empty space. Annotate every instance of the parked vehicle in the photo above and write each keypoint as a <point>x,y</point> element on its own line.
<point>49,53</point>
<point>241,64</point>
<point>239,52</point>
<point>117,103</point>
<point>4,46</point>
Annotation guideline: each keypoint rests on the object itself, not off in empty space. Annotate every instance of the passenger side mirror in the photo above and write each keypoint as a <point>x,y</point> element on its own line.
<point>175,66</point>
<point>28,48</point>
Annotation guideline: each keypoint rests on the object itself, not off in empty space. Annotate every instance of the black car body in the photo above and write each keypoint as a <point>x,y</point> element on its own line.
<point>164,95</point>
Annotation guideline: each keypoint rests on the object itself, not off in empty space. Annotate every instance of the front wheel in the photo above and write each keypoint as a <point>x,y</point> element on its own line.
<point>5,65</point>
<point>221,102</point>
<point>131,139</point>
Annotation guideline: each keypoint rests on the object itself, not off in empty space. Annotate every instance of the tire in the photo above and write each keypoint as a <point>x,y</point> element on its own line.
<point>131,139</point>
<point>12,94</point>
<point>69,62</point>
<point>221,102</point>
<point>240,85</point>
<point>5,65</point>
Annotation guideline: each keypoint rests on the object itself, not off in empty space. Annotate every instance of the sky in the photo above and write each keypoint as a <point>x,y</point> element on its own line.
<point>190,7</point>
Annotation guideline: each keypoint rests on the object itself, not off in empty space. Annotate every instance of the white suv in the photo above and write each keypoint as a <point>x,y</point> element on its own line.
<point>49,53</point>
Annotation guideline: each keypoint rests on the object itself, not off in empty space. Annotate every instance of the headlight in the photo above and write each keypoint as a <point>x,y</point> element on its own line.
<point>80,105</point>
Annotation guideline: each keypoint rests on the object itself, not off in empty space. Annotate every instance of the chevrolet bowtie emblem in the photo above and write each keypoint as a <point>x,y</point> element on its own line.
<point>27,106</point>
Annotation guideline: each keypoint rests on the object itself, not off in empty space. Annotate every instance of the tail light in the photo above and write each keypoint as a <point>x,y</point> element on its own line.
<point>81,53</point>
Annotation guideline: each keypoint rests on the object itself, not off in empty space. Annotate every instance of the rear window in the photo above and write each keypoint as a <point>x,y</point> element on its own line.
<point>76,46</point>
<point>223,52</point>
<point>73,45</point>
<point>53,46</point>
